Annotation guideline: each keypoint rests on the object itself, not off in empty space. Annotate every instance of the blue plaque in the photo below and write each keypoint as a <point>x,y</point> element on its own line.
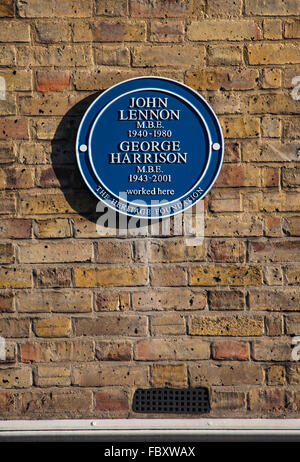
<point>150,147</point>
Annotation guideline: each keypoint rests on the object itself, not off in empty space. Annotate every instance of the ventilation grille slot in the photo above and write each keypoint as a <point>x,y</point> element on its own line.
<point>171,401</point>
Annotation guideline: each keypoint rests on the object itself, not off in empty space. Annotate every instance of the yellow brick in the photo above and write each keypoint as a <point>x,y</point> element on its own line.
<point>105,276</point>
<point>240,127</point>
<point>271,78</point>
<point>223,29</point>
<point>234,326</point>
<point>272,29</point>
<point>54,228</point>
<point>171,375</point>
<point>15,278</point>
<point>273,53</point>
<point>218,275</point>
<point>52,327</point>
<point>48,376</point>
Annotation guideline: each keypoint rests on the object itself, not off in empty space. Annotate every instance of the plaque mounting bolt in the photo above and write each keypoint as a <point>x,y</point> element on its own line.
<point>216,146</point>
<point>83,148</point>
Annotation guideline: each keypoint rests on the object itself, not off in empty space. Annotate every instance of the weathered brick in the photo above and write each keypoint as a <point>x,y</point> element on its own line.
<point>226,55</point>
<point>7,204</point>
<point>273,275</point>
<point>272,104</point>
<point>13,129</point>
<point>7,254</point>
<point>293,374</point>
<point>135,326</point>
<point>272,350</point>
<point>65,404</point>
<point>54,9</point>
<point>161,8</point>
<point>48,376</point>
<point>292,274</point>
<point>230,326</point>
<point>118,31</point>
<point>10,353</point>
<point>223,29</point>
<point>113,252</point>
<point>271,177</point>
<point>272,29</point>
<point>7,154</point>
<point>261,251</point>
<point>271,78</point>
<point>14,328</point>
<point>234,225</point>
<point>291,225</point>
<point>231,350</point>
<point>276,375</point>
<point>166,31</point>
<point>228,251</point>
<point>16,178</point>
<point>53,228</point>
<point>273,226</point>
<point>17,79</point>
<point>168,276</point>
<point>176,348</point>
<point>47,104</point>
<point>273,151</point>
<point>168,324</point>
<point>52,252</point>
<point>277,7</point>
<point>7,402</point>
<point>107,350</point>
<point>238,176</point>
<point>170,375</point>
<point>108,300</point>
<point>228,400</point>
<point>226,300</point>
<point>292,29</point>
<point>273,53</point>
<point>15,278</point>
<point>16,377</point>
<point>101,375</point>
<point>175,250</point>
<point>168,299</point>
<point>52,80</point>
<point>55,55</point>
<point>15,228</point>
<point>236,275</point>
<point>7,304</point>
<point>271,126</point>
<point>56,301</point>
<point>112,55</point>
<point>174,56</point>
<point>7,8</point>
<point>224,8</point>
<point>111,399</point>
<point>275,300</point>
<point>292,324</point>
<point>14,31</point>
<point>111,7</point>
<point>240,127</point>
<point>235,373</point>
<point>106,276</point>
<point>52,327</point>
<point>57,351</point>
<point>268,399</point>
<point>53,31</point>
<point>7,55</point>
<point>225,201</point>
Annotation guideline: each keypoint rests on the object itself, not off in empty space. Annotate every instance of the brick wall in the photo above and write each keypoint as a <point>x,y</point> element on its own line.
<point>88,319</point>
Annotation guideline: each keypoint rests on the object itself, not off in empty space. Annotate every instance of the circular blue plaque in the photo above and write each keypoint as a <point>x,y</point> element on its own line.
<point>150,147</point>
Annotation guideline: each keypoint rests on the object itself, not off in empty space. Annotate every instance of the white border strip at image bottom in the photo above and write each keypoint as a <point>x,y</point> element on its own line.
<point>152,430</point>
